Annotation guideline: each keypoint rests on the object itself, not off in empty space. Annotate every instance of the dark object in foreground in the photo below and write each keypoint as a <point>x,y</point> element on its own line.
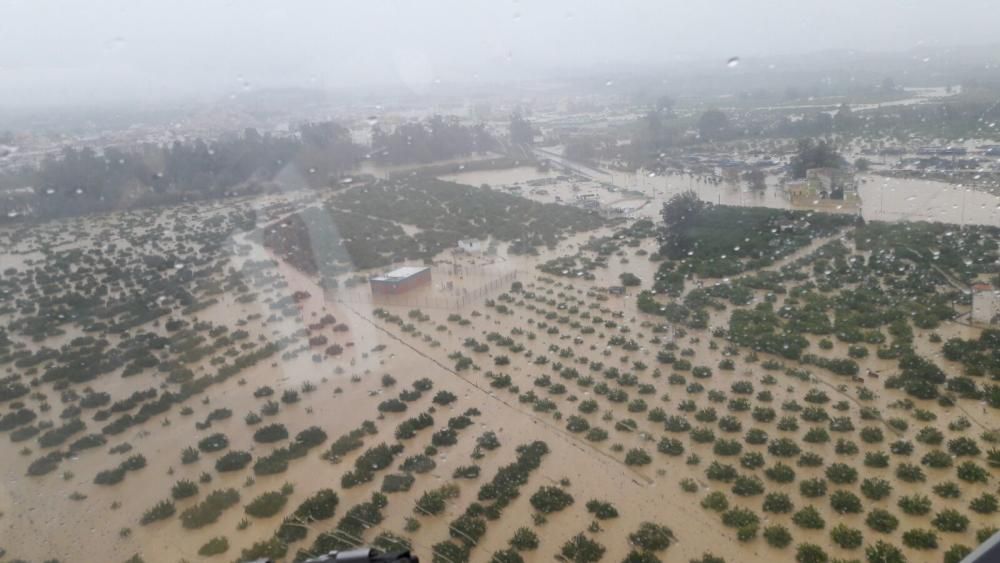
<point>987,552</point>
<point>360,555</point>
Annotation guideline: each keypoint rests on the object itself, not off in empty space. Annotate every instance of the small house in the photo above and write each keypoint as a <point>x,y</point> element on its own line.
<point>400,280</point>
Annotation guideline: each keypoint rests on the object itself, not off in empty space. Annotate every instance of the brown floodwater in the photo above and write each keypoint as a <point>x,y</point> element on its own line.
<point>40,521</point>
<point>883,199</point>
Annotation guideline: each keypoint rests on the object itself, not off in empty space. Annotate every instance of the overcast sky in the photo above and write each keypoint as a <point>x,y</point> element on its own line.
<point>67,52</point>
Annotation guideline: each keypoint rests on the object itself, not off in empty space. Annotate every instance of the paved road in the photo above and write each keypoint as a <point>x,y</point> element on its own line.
<point>592,173</point>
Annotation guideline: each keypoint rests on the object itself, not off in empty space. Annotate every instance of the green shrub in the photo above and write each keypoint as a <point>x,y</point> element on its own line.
<point>970,472</point>
<point>777,536</point>
<point>602,510</point>
<point>916,504</point>
<point>984,504</point>
<point>550,499</point>
<point>434,502</point>
<point>950,520</point>
<point>876,459</point>
<point>270,549</point>
<point>184,489</point>
<point>715,500</point>
<point>920,539</point>
<point>444,398</point>
<point>881,521</point>
<point>637,556</point>
<point>846,537</point>
<point>270,433</point>
<point>778,503</point>
<point>956,553</point>
<point>160,511</point>
<point>652,537</point>
<point>233,460</point>
<point>208,511</point>
<point>845,502</point>
<point>466,472</point>
<point>747,486</point>
<point>780,473</point>
<point>936,459</point>
<point>637,456</point>
<point>841,473</point>
<point>214,546</point>
<point>581,549</point>
<point>910,473</point>
<point>809,518</point>
<point>740,518</point>
<point>524,540</point>
<point>947,489</point>
<point>810,553</point>
<point>812,488</point>
<point>882,552</point>
<point>213,443</point>
<point>875,488</point>
<point>506,556</point>
<point>266,504</point>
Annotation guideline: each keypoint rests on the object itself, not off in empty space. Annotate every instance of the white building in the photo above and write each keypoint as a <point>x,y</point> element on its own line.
<point>472,246</point>
<point>985,304</point>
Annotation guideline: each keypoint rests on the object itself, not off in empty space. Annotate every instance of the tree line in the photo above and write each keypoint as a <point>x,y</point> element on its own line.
<point>84,180</point>
<point>438,138</point>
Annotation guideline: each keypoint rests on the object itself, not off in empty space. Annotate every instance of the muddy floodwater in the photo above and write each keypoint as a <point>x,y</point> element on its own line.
<point>65,514</point>
<point>643,194</point>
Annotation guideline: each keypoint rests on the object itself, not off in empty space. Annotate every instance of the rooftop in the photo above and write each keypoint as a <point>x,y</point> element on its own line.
<point>401,273</point>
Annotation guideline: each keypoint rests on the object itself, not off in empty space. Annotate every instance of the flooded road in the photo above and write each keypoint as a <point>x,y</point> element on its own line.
<point>893,199</point>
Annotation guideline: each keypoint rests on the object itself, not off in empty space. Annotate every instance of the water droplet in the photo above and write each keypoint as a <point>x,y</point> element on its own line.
<point>733,62</point>
<point>116,44</point>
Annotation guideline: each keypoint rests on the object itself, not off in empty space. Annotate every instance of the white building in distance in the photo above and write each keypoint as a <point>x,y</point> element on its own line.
<point>985,304</point>
<point>471,246</point>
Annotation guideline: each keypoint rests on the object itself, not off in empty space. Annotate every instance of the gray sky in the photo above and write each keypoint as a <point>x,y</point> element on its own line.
<point>65,52</point>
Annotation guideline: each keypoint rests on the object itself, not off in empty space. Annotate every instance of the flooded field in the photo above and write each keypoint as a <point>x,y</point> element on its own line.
<point>340,355</point>
<point>643,195</point>
<point>482,288</point>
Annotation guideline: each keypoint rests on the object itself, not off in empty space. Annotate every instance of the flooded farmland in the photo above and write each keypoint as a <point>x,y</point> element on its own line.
<point>499,283</point>
<point>337,392</point>
<point>883,199</point>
